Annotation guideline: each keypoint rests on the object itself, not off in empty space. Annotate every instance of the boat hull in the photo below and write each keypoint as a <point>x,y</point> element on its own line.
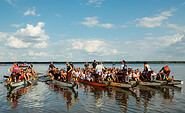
<point>121,85</point>
<point>174,82</point>
<point>63,84</point>
<point>150,83</point>
<point>94,83</point>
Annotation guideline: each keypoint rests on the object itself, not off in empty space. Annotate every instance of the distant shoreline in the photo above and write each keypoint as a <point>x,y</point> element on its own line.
<point>105,62</point>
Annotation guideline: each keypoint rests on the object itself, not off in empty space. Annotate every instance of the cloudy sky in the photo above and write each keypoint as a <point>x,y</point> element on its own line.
<point>84,30</point>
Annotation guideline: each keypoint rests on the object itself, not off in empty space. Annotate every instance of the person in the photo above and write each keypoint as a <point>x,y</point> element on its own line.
<point>153,78</point>
<point>71,64</point>
<point>51,65</point>
<point>14,70</point>
<point>109,76</point>
<point>146,74</point>
<point>69,69</point>
<point>124,69</point>
<point>94,64</point>
<point>57,75</point>
<point>88,76</point>
<point>99,69</point>
<point>164,72</point>
<point>86,66</point>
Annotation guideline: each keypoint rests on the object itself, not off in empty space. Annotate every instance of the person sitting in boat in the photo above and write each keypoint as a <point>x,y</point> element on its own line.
<point>88,76</point>
<point>164,72</point>
<point>57,75</point>
<point>76,74</point>
<point>146,74</point>
<point>63,75</point>
<point>137,73</point>
<point>82,75</point>
<point>153,76</point>
<point>109,76</point>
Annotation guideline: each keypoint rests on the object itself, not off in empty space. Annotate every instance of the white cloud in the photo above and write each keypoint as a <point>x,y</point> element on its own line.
<point>41,54</point>
<point>16,25</point>
<point>16,43</point>
<point>155,21</point>
<point>32,33</point>
<point>96,3</point>
<point>77,44</point>
<point>40,45</point>
<point>180,29</point>
<point>124,26</point>
<point>93,22</point>
<point>31,12</point>
<point>94,46</point>
<point>29,37</point>
<point>3,35</point>
<point>10,2</point>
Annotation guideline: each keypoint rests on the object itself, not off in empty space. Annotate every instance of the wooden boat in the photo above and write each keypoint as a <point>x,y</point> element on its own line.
<point>64,84</point>
<point>173,82</point>
<point>148,83</point>
<point>122,85</point>
<point>94,83</point>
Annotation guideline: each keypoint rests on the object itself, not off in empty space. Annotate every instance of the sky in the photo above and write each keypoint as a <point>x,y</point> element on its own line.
<point>84,30</point>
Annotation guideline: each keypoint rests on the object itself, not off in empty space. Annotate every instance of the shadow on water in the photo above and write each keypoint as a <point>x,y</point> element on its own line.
<point>14,94</point>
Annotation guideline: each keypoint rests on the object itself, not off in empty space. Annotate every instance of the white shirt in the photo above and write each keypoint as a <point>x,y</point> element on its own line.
<point>99,68</point>
<point>122,65</point>
<point>82,76</point>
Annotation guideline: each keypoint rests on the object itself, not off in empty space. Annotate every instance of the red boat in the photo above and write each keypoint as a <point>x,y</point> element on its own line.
<point>94,83</point>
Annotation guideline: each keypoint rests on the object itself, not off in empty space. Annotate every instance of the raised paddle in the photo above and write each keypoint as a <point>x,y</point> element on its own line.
<point>5,76</point>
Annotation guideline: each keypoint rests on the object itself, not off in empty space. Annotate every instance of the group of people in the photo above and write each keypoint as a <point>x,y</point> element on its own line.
<point>97,72</point>
<point>21,74</point>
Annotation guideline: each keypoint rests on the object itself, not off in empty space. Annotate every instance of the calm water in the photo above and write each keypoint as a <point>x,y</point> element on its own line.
<point>42,97</point>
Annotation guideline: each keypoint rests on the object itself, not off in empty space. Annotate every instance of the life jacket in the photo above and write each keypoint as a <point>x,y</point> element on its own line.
<point>166,68</point>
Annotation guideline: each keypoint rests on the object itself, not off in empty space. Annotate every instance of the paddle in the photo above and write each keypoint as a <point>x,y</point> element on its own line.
<point>5,76</point>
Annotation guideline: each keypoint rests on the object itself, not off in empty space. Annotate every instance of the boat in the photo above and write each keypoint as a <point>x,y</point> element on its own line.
<point>103,84</point>
<point>64,84</point>
<point>148,83</point>
<point>20,83</point>
<point>122,85</point>
<point>173,82</point>
<point>60,83</point>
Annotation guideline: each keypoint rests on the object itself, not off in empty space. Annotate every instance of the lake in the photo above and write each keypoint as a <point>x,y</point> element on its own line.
<point>42,97</point>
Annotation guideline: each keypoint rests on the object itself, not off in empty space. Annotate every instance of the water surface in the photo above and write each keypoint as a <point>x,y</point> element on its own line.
<point>42,97</point>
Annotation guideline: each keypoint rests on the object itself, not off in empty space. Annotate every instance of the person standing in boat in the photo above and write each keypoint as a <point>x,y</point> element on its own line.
<point>124,70</point>
<point>51,65</point>
<point>94,64</point>
<point>86,66</point>
<point>14,70</point>
<point>69,70</point>
<point>71,64</point>
<point>99,69</point>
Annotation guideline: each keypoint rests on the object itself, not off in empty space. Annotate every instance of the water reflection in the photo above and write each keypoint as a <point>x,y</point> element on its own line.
<point>143,96</point>
<point>66,94</point>
<point>14,94</point>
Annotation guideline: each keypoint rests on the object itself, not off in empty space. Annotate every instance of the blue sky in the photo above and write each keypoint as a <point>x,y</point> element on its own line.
<point>84,30</point>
